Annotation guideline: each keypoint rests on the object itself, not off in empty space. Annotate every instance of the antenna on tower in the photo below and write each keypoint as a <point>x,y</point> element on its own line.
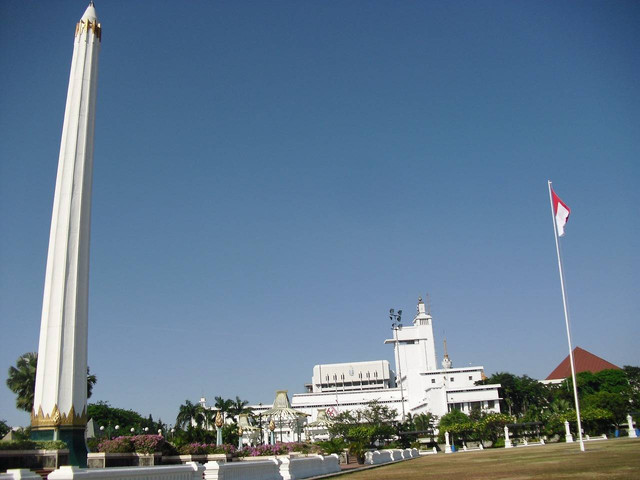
<point>446,361</point>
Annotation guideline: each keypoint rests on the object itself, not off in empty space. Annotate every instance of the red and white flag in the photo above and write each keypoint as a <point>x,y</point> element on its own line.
<point>561,212</point>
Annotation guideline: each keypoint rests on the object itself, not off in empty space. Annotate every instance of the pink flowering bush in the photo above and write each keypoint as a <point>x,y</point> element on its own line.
<point>137,443</point>
<point>205,448</point>
<point>277,449</point>
<point>148,443</point>
<point>193,449</point>
<point>117,445</point>
<point>224,448</point>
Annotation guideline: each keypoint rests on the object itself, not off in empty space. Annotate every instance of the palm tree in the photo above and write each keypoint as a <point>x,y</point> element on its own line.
<point>208,416</point>
<point>560,405</point>
<point>223,405</point>
<point>91,381</point>
<point>238,406</point>
<point>189,414</point>
<point>22,380</point>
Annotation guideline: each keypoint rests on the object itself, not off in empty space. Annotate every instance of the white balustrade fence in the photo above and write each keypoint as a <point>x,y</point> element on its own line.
<point>20,474</point>
<point>396,455</point>
<point>267,469</point>
<point>189,471</point>
<point>278,468</point>
<point>378,457</point>
<point>314,466</point>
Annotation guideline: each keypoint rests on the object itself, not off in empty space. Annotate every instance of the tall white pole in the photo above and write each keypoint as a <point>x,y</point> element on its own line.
<point>566,319</point>
<point>395,334</point>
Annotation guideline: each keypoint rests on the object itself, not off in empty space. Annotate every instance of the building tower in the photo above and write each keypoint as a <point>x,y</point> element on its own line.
<point>60,400</point>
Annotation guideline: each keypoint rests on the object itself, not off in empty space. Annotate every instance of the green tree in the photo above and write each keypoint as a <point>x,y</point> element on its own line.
<point>595,420</point>
<point>237,407</point>
<point>208,418</point>
<point>230,434</point>
<point>614,403</point>
<point>224,405</point>
<point>4,428</point>
<point>104,415</point>
<point>456,423</point>
<point>633,377</point>
<point>520,395</point>
<point>188,414</point>
<point>425,422</point>
<point>491,426</point>
<point>560,405</point>
<point>22,380</point>
<point>362,428</point>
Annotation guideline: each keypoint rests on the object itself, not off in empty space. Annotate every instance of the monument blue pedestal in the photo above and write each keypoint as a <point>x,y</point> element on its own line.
<point>73,437</point>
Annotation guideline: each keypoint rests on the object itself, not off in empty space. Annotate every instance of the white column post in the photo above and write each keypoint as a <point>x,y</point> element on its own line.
<point>507,440</point>
<point>569,437</point>
<point>447,447</point>
<point>632,431</point>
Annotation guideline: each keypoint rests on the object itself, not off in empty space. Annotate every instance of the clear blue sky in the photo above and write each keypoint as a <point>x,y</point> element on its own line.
<point>271,177</point>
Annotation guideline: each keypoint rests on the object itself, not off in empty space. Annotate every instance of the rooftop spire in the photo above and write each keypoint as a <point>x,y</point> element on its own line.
<point>446,362</point>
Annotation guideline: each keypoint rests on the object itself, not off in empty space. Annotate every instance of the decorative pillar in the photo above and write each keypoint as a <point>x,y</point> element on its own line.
<point>240,438</point>
<point>632,431</point>
<point>219,422</point>
<point>60,397</point>
<point>568,436</point>
<point>447,446</point>
<point>272,427</point>
<point>507,439</point>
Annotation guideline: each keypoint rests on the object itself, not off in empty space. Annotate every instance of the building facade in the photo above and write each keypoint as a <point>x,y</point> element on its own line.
<point>422,387</point>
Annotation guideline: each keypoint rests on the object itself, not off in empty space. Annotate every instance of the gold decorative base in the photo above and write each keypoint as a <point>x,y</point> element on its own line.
<point>83,26</point>
<point>56,419</point>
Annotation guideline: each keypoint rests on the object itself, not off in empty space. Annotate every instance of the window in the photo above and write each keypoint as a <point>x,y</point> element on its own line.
<point>491,404</point>
<point>433,380</point>
<point>451,379</point>
<point>470,377</point>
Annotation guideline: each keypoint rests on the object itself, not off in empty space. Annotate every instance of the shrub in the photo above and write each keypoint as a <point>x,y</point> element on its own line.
<point>264,450</point>
<point>334,445</point>
<point>169,449</point>
<point>117,445</point>
<point>33,445</point>
<point>92,444</point>
<point>193,449</point>
<point>148,443</point>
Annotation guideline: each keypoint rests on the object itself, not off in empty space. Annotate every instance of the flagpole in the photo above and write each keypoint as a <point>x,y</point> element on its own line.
<point>566,319</point>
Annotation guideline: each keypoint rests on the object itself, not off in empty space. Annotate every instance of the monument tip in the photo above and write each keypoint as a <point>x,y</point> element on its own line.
<point>90,13</point>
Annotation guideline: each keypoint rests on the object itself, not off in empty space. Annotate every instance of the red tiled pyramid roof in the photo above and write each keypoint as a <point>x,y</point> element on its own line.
<point>584,362</point>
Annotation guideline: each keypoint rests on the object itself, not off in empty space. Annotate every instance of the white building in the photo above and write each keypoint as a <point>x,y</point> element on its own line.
<point>422,388</point>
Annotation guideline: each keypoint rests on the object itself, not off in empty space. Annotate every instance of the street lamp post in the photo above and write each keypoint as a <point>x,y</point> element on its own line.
<point>395,326</point>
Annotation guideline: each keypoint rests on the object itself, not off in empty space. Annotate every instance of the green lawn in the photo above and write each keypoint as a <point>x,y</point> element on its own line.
<point>609,459</point>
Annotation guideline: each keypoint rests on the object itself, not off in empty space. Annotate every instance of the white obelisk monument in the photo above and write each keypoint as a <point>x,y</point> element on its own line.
<point>60,401</point>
